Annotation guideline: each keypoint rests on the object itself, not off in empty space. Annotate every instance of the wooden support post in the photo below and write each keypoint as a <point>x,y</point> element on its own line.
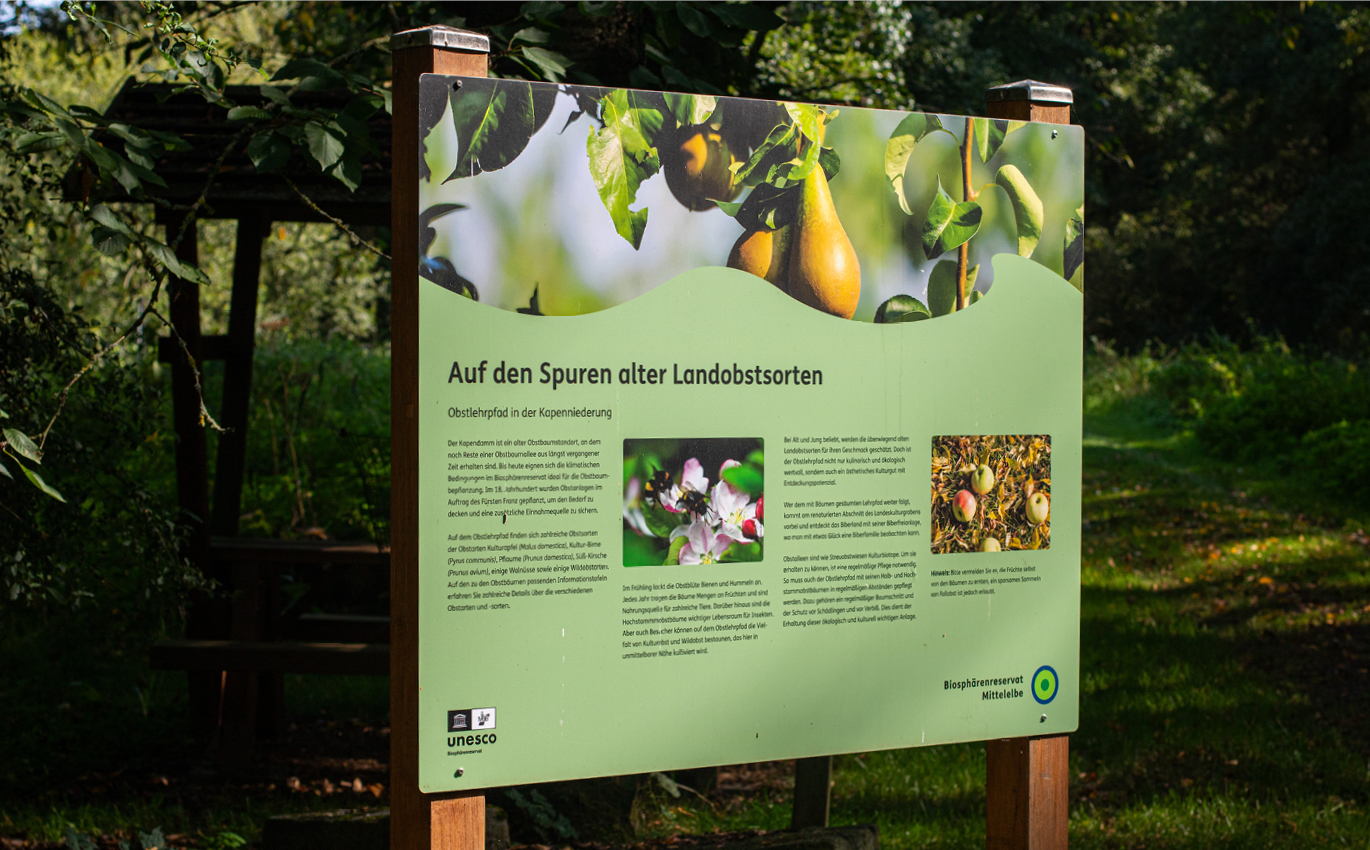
<point>1027,780</point>
<point>242,337</point>
<point>417,821</point>
<point>812,792</point>
<point>248,696</point>
<point>208,618</point>
<point>1027,793</point>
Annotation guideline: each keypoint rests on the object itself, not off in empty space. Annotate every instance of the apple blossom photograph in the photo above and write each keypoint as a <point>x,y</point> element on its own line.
<point>693,501</point>
<point>991,493</point>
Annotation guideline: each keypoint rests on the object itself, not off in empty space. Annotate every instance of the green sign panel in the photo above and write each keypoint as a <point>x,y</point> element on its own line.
<point>748,430</point>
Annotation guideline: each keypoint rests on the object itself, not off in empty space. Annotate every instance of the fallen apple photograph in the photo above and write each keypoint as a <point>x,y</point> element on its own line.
<point>991,493</point>
<point>693,501</point>
<point>560,200</point>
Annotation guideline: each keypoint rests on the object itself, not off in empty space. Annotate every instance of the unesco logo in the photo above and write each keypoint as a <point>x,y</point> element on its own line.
<point>470,720</point>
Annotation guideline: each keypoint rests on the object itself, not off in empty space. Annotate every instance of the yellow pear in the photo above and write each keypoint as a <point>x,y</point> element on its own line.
<point>824,271</point>
<point>698,169</point>
<point>764,253</point>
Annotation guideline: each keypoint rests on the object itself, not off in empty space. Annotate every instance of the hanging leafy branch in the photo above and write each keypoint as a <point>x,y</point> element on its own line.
<point>122,159</point>
<point>951,225</point>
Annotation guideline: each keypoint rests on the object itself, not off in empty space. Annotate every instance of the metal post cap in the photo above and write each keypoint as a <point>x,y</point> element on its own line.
<point>1032,90</point>
<point>441,36</point>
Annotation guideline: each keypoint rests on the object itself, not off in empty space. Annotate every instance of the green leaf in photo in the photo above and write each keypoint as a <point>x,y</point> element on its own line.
<point>900,147</point>
<point>1027,207</point>
<point>777,148</point>
<point>660,521</point>
<point>746,478</point>
<point>902,308</point>
<point>621,157</point>
<point>494,121</point>
<point>742,552</point>
<point>989,136</point>
<point>20,443</point>
<point>830,161</point>
<point>949,225</point>
<point>690,109</point>
<point>942,287</point>
<point>673,555</point>
<point>1074,255</point>
<point>5,471</point>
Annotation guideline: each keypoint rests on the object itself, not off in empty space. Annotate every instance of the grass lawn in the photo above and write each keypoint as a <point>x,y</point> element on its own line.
<point>1224,638</point>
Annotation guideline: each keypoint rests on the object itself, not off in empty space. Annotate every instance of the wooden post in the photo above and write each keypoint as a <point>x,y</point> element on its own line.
<point>1029,100</point>
<point>1027,799</point>
<point>417,821</point>
<point>242,327</point>
<point>208,617</point>
<point>812,792</point>
<point>1027,780</point>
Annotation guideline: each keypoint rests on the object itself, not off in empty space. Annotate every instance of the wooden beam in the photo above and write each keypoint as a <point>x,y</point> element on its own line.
<point>812,792</point>
<point>1027,780</point>
<point>237,392</point>
<point>417,821</point>
<point>208,616</point>
<point>343,659</point>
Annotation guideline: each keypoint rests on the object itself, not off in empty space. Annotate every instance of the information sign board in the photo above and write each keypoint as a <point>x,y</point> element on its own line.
<point>747,430</point>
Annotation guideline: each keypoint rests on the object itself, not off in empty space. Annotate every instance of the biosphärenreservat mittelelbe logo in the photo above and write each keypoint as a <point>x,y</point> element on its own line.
<point>1044,685</point>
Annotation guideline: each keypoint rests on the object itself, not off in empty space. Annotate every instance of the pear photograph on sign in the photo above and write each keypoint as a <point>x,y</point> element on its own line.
<point>564,200</point>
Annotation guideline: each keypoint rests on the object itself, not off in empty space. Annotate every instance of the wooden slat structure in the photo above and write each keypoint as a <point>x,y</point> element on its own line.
<point>237,643</point>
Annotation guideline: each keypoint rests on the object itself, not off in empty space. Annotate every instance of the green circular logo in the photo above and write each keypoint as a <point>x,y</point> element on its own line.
<point>1044,685</point>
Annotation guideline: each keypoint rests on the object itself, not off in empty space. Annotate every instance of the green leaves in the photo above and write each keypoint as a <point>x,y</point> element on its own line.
<point>746,478</point>
<point>673,554</point>
<point>902,308</point>
<point>949,225</point>
<point>268,152</point>
<point>113,229</point>
<point>18,443</point>
<point>326,147</point>
<point>689,109</point>
<point>494,121</point>
<point>1027,207</point>
<point>622,156</point>
<point>942,287</point>
<point>552,64</point>
<point>1074,255</point>
<point>900,147</point>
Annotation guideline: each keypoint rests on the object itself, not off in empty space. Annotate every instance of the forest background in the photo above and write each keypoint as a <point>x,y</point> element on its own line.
<point>1228,247</point>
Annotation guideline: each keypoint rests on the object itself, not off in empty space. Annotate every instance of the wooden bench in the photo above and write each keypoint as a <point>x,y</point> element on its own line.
<point>252,644</point>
